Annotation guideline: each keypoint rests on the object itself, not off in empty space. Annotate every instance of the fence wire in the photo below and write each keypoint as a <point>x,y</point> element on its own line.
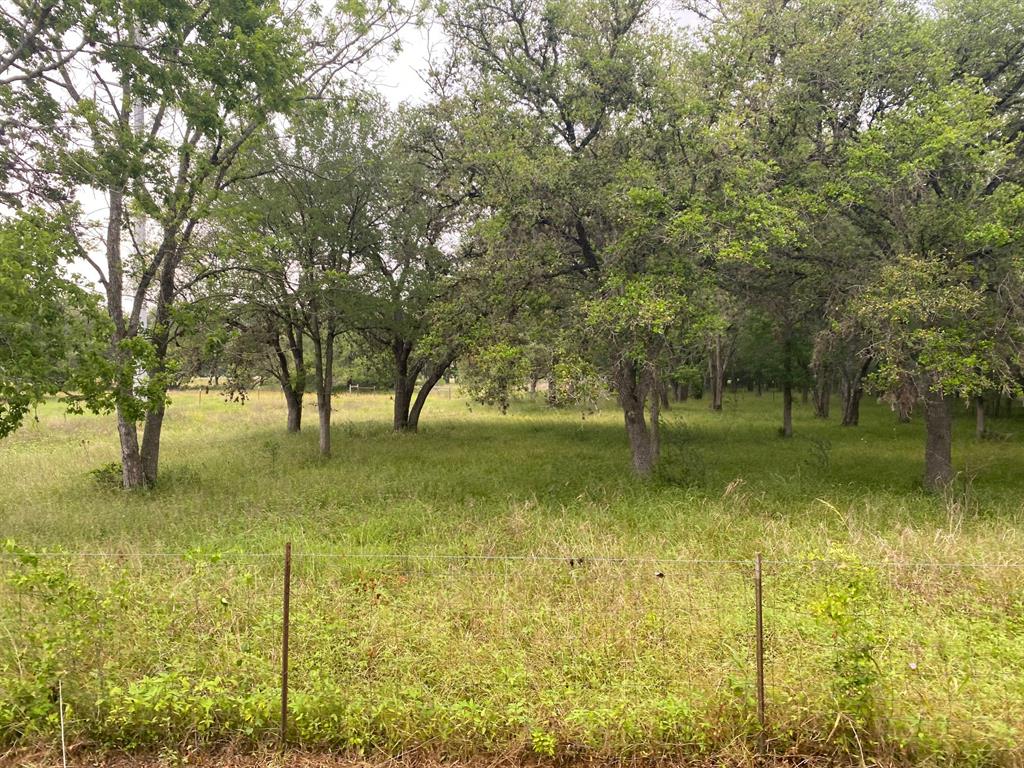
<point>397,651</point>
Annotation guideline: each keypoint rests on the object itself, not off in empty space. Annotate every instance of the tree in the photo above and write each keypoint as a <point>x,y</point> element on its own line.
<point>257,329</point>
<point>50,326</point>
<point>409,280</point>
<point>301,235</point>
<point>943,314</point>
<point>803,80</point>
<point>568,160</point>
<point>204,91</point>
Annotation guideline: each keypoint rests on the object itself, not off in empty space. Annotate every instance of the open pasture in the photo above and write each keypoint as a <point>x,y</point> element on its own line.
<point>501,585</point>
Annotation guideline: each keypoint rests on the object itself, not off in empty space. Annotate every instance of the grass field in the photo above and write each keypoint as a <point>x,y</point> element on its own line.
<point>869,656</point>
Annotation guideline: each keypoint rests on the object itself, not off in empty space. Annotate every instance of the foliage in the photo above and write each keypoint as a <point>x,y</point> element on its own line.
<point>848,596</point>
<point>937,313</point>
<point>51,327</point>
<point>494,374</point>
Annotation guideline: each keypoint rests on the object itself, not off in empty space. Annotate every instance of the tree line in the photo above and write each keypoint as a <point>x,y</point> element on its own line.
<point>630,196</point>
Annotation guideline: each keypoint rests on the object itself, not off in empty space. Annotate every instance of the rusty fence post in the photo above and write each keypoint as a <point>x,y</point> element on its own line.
<point>284,641</point>
<point>759,651</point>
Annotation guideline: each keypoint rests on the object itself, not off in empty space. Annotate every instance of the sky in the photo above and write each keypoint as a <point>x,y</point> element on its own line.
<point>400,80</point>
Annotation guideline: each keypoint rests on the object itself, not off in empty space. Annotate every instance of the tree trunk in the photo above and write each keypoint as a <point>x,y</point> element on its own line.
<point>324,385</point>
<point>787,387</point>
<point>151,442</point>
<point>938,450</point>
<point>853,390</point>
<point>716,374</point>
<point>405,383</point>
<point>639,443</point>
<point>132,474</point>
<point>979,417</point>
<point>293,385</point>
<point>403,401</point>
<point>294,402</point>
<point>663,393</point>
<point>787,409</point>
<point>851,405</point>
<point>642,445</point>
<point>822,397</point>
<point>323,408</point>
<point>902,413</point>
<point>424,393</point>
<point>161,338</point>
<point>906,397</point>
<point>551,396</point>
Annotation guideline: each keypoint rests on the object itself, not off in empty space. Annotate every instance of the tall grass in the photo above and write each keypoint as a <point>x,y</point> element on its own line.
<point>580,655</point>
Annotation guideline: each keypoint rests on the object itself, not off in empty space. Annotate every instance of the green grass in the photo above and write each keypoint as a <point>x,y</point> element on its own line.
<point>457,657</point>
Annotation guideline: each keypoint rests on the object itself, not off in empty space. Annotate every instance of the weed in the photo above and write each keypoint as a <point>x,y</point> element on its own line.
<point>107,476</point>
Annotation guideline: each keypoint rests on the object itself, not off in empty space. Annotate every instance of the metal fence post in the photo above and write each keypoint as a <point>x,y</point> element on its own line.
<point>63,739</point>
<point>284,641</point>
<point>759,651</point>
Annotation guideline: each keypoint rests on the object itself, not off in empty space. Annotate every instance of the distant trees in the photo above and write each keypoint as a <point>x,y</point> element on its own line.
<point>743,165</point>
<point>813,196</point>
<point>339,234</point>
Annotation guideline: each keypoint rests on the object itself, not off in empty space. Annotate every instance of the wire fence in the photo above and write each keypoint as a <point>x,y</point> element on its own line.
<point>605,655</point>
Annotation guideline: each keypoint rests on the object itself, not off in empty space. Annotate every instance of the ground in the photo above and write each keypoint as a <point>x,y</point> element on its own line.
<point>501,587</point>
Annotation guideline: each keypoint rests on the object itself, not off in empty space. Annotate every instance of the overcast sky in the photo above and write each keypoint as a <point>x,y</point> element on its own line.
<point>401,79</point>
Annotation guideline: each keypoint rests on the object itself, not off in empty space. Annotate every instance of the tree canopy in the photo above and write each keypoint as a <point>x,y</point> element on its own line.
<point>615,197</point>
